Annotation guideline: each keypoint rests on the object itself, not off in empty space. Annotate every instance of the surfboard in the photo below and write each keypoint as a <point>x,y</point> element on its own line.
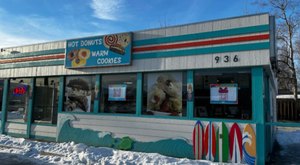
<point>235,144</point>
<point>210,142</point>
<point>249,145</point>
<point>222,148</point>
<point>198,140</point>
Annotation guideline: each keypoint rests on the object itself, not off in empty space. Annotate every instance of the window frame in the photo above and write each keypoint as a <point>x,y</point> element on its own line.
<point>34,102</point>
<point>206,72</point>
<point>184,94</point>
<point>63,93</point>
<point>26,106</point>
<point>101,101</point>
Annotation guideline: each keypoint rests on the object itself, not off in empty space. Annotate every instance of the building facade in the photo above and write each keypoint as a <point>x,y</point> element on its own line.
<point>201,91</point>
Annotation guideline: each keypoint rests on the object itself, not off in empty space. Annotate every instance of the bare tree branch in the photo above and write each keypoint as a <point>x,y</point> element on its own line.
<point>287,13</point>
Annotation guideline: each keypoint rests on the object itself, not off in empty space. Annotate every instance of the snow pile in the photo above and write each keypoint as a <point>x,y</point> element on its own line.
<point>71,153</point>
<point>289,140</point>
<point>288,136</point>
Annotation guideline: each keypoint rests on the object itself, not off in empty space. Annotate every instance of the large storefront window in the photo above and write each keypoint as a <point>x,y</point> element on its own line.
<point>164,94</point>
<point>223,95</point>
<point>118,94</point>
<point>79,93</point>
<point>46,100</point>
<point>18,99</point>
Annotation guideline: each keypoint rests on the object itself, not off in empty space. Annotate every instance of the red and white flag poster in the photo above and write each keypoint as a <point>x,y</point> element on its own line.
<point>223,93</point>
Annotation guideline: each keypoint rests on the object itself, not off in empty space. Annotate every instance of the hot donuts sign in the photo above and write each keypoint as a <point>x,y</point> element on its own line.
<point>108,50</point>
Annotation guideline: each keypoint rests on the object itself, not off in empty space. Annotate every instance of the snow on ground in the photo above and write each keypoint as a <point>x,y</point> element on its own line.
<point>288,135</point>
<point>286,96</point>
<point>287,152</point>
<point>23,151</point>
<point>71,153</point>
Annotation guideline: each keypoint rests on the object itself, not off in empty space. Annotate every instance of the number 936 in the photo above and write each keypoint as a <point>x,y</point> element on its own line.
<point>226,59</point>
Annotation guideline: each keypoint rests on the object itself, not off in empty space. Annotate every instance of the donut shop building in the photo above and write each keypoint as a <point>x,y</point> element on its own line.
<point>190,91</point>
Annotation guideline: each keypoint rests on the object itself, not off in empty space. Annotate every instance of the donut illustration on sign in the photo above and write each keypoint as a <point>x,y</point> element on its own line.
<point>72,54</point>
<point>117,42</point>
<point>110,40</point>
<point>78,57</point>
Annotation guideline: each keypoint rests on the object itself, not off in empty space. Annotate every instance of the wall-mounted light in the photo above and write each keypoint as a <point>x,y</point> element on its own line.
<point>11,51</point>
<point>14,52</point>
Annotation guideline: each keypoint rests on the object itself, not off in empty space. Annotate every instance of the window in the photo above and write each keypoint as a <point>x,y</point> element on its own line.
<point>18,98</point>
<point>164,94</point>
<point>46,100</point>
<point>79,94</point>
<point>223,95</point>
<point>118,93</point>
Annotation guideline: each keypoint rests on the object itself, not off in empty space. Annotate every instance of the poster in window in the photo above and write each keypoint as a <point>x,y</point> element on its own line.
<point>223,93</point>
<point>190,92</point>
<point>117,92</point>
<point>164,94</point>
<point>78,94</point>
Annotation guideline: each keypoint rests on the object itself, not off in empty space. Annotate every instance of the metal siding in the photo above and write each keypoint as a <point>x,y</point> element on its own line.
<point>15,131</point>
<point>143,129</point>
<point>40,130</point>
<point>127,118</point>
<point>203,27</point>
<point>15,128</point>
<point>35,47</point>
<point>21,126</point>
<point>272,36</point>
<point>143,132</point>
<point>43,134</point>
<point>247,58</point>
<point>43,128</point>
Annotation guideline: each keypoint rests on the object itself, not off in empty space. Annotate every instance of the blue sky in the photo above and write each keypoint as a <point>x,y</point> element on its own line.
<point>31,21</point>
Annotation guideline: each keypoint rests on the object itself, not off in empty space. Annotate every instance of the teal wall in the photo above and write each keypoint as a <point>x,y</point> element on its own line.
<point>139,94</point>
<point>190,103</point>
<point>258,112</point>
<point>4,104</point>
<point>97,94</point>
<point>30,107</point>
<point>61,93</point>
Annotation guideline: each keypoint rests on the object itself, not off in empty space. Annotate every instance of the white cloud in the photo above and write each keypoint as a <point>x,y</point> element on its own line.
<point>30,29</point>
<point>43,25</point>
<point>106,10</point>
<point>8,40</point>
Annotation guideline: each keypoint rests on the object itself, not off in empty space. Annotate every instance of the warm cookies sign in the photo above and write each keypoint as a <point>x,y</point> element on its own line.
<point>108,50</point>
